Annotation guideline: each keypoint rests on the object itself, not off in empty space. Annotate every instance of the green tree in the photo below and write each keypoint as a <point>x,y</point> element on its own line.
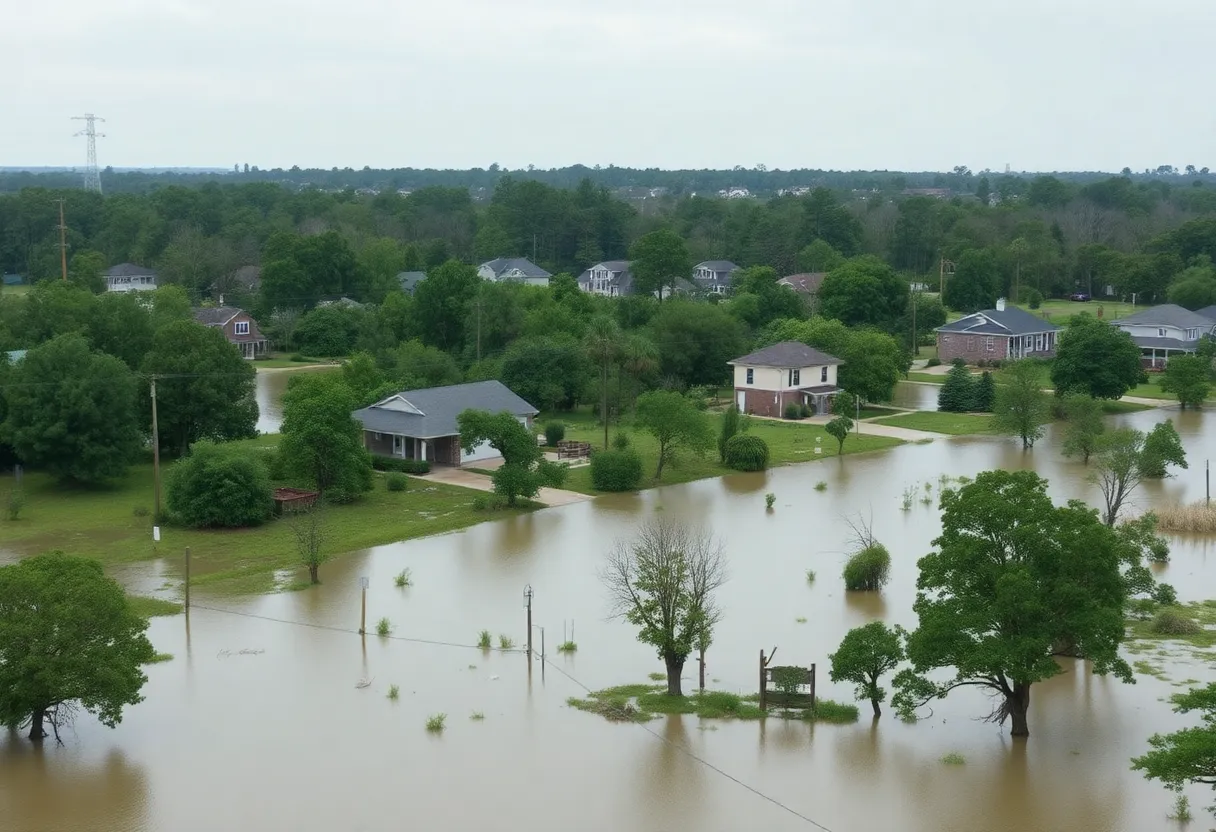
<point>71,411</point>
<point>1162,447</point>
<point>1021,407</point>
<point>864,291</point>
<point>416,366</point>
<point>663,582</point>
<point>730,426</point>
<point>86,269</point>
<point>218,486</point>
<point>328,331</point>
<point>1012,577</point>
<point>695,340</point>
<point>321,441</point>
<point>365,380</point>
<point>68,639</point>
<point>1189,378</point>
<point>959,393</point>
<point>1097,359</point>
<point>1084,427</point>
<point>204,388</point>
<point>1184,756</point>
<point>839,428</point>
<point>524,470</point>
<point>975,283</point>
<point>819,256</point>
<point>1195,287</point>
<point>659,259</point>
<point>985,393</point>
<point>874,362</point>
<point>1118,470</point>
<point>380,261</point>
<point>675,423</point>
<point>441,304</point>
<point>864,656</point>
<point>603,343</point>
<point>550,373</point>
<point>120,325</point>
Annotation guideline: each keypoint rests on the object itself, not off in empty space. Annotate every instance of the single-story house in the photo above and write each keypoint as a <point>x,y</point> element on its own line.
<point>714,276</point>
<point>238,327</point>
<point>409,281</point>
<point>518,269</point>
<point>128,277</point>
<point>806,284</point>
<point>1160,331</point>
<point>421,424</point>
<point>768,380</point>
<point>999,334</point>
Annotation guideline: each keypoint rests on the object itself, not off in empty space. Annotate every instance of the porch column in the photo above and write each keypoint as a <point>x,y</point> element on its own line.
<point>423,456</point>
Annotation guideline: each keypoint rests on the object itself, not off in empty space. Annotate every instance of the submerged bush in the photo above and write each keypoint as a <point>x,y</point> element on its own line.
<point>1172,621</point>
<point>619,470</point>
<point>745,452</point>
<point>869,569</point>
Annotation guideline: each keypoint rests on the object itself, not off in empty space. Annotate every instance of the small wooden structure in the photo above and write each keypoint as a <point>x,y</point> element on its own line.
<point>293,499</point>
<point>780,698</point>
<point>567,449</point>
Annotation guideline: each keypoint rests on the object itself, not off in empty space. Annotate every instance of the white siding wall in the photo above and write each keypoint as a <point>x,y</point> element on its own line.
<point>1151,331</point>
<point>770,378</point>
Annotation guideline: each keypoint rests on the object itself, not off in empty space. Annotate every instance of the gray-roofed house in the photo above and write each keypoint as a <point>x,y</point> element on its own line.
<point>769,380</point>
<point>518,269</point>
<point>806,284</point>
<point>1208,312</point>
<point>714,276</point>
<point>128,277</point>
<point>409,281</point>
<point>421,424</point>
<point>610,278</point>
<point>1161,331</point>
<point>238,327</point>
<point>1001,334</point>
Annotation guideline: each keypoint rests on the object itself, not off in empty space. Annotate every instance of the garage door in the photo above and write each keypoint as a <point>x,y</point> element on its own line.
<point>483,451</point>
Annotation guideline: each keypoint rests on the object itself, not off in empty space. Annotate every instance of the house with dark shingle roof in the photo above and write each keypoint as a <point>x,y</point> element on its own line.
<point>421,424</point>
<point>128,277</point>
<point>1160,331</point>
<point>238,327</point>
<point>769,380</point>
<point>518,269</point>
<point>714,276</point>
<point>610,278</point>
<point>1005,333</point>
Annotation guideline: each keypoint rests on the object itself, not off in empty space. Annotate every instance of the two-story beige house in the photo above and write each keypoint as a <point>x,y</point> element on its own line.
<point>238,327</point>
<point>789,372</point>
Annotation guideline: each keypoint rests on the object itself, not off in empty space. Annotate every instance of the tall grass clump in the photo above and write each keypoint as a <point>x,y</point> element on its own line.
<point>404,578</point>
<point>1196,518</point>
<point>394,692</point>
<point>384,627</point>
<point>1171,621</point>
<point>810,576</point>
<point>485,640</point>
<point>868,569</point>
<point>436,723</point>
<point>954,759</point>
<point>506,643</point>
<point>821,486</point>
<point>1182,809</point>
<point>567,647</point>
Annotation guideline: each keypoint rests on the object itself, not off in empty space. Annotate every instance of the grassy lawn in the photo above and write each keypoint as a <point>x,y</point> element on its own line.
<point>114,525</point>
<point>280,361</point>
<point>787,442</point>
<point>16,291</point>
<point>955,424</point>
<point>1059,311</point>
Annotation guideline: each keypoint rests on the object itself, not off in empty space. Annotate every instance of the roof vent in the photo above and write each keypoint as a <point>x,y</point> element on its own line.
<point>1000,304</point>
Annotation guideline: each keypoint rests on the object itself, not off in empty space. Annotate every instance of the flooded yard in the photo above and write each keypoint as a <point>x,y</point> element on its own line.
<point>257,722</point>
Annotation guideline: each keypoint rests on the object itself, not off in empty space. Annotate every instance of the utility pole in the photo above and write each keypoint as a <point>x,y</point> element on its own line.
<point>915,346</point>
<point>479,323</point>
<point>63,244</point>
<point>363,582</point>
<point>528,605</point>
<point>155,457</point>
<point>187,577</point>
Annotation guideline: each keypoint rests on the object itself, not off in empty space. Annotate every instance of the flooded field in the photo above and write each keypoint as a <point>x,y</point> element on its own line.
<point>257,722</point>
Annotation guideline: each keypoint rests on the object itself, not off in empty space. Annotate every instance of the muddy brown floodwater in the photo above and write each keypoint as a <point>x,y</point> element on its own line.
<point>257,722</point>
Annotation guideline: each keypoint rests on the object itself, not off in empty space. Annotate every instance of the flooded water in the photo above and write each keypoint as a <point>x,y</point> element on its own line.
<point>271,384</point>
<point>915,396</point>
<point>257,722</point>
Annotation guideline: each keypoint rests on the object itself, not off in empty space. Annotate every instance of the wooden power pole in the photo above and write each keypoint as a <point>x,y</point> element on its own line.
<point>63,244</point>
<point>155,457</point>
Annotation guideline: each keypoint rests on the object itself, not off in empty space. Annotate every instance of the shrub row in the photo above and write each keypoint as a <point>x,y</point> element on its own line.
<point>404,466</point>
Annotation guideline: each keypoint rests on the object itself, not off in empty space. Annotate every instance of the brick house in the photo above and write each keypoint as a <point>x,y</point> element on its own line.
<point>768,380</point>
<point>1001,334</point>
<point>238,327</point>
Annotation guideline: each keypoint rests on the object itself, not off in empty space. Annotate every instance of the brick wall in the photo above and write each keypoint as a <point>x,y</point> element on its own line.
<point>971,348</point>
<point>760,402</point>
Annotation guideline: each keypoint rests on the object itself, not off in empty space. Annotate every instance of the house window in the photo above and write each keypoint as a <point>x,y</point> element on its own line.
<point>241,327</point>
<point>795,378</point>
<point>751,376</point>
<point>823,374</point>
<point>1192,334</point>
<point>1161,332</point>
<point>988,347</point>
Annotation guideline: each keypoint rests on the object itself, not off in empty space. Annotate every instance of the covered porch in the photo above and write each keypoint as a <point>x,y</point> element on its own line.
<point>251,350</point>
<point>819,398</point>
<point>438,450</point>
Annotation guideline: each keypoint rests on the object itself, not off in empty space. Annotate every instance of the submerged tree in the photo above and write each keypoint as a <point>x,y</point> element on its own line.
<point>1084,426</point>
<point>1021,406</point>
<point>663,582</point>
<point>1185,756</point>
<point>1189,377</point>
<point>310,532</point>
<point>1013,577</point>
<point>864,656</point>
<point>1162,447</point>
<point>68,638</point>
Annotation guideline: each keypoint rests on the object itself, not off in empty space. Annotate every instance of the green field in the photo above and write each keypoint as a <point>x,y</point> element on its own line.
<point>281,361</point>
<point>1059,311</point>
<point>955,424</point>
<point>114,525</point>
<point>788,442</point>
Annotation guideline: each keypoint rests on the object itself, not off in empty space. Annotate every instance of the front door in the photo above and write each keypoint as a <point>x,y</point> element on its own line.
<point>741,400</point>
<point>398,445</point>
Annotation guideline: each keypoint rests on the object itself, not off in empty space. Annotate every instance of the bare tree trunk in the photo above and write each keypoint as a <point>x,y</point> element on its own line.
<point>312,573</point>
<point>877,708</point>
<point>701,666</point>
<point>1019,705</point>
<point>675,667</point>
<point>604,400</point>
<point>36,730</point>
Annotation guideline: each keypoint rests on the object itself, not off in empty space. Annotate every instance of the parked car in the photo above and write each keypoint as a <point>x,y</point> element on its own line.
<point>1079,296</point>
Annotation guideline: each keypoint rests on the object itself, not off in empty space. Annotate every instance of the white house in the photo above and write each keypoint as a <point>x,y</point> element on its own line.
<point>1161,330</point>
<point>768,380</point>
<point>611,279</point>
<point>714,276</point>
<point>517,269</point>
<point>128,277</point>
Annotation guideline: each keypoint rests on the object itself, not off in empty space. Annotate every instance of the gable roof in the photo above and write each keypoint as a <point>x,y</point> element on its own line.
<point>717,266</point>
<point>527,268</point>
<point>215,315</point>
<point>786,355</point>
<point>1208,312</point>
<point>1007,321</point>
<point>1167,314</point>
<point>806,283</point>
<point>431,412</point>
<point>128,270</point>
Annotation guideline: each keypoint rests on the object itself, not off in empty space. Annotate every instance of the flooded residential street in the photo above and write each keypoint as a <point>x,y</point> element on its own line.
<point>257,722</point>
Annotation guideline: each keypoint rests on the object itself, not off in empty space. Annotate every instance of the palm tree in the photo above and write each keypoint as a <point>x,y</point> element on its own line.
<point>638,357</point>
<point>603,344</point>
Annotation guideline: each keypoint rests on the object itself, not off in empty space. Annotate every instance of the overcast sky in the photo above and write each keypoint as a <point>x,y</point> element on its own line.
<point>840,84</point>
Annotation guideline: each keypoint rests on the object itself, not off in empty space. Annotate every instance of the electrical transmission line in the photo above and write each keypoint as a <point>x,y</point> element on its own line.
<point>92,177</point>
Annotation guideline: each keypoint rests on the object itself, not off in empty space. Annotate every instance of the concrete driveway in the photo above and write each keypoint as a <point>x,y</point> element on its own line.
<point>480,482</point>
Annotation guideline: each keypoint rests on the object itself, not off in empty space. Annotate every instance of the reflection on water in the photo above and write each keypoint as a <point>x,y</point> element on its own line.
<point>271,384</point>
<point>915,395</point>
<point>280,737</point>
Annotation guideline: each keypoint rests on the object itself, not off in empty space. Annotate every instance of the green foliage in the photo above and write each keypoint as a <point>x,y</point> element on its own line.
<point>873,361</point>
<point>396,482</point>
<point>416,366</point>
<point>788,680</point>
<point>567,647</point>
<point>604,343</point>
<point>1035,299</point>
<point>1173,622</point>
<point>1021,407</point>
<point>383,627</point>
<point>770,500</point>
<point>441,302</point>
<point>864,291</point>
<point>985,393</point>
<point>864,656</point>
<point>403,578</point>
<point>484,640</point>
<point>793,410</point>
<point>1184,756</point>
<point>1096,358</point>
<point>694,340</point>
<point>868,569</point>
<point>1084,427</point>
<point>959,393</point>
<point>549,372</point>
<point>506,643</point>
<point>524,471</point>
<point>975,282</point>
<point>730,426</point>
<point>321,442</point>
<point>810,576</point>
<point>844,404</point>
<point>658,259</point>
<point>68,637</point>
<point>1189,378</point>
<point>839,428</point>
<point>1165,595</point>
<point>1011,578</point>
<point>675,424</point>
<point>1182,809</point>
<point>15,504</point>
<point>71,411</point>
<point>554,432</point>
<point>394,692</point>
<point>954,759</point>
<point>405,466</point>
<point>620,442</point>
<point>217,486</point>
<point>821,486</point>
<point>1162,447</point>
<point>745,452</point>
<point>329,330</point>
<point>616,470</point>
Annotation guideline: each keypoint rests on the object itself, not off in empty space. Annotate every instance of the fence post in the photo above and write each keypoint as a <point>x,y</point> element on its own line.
<point>763,680</point>
<point>812,686</point>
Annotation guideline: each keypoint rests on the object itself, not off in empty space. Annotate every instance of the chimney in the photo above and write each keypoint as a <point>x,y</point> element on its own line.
<point>222,301</point>
<point>1000,304</point>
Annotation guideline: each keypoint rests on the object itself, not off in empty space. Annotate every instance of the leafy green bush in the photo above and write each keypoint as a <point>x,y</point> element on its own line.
<point>1171,621</point>
<point>769,500</point>
<point>16,502</point>
<point>395,482</point>
<point>868,569</point>
<point>1036,298</point>
<point>216,486</point>
<point>793,411</point>
<point>806,410</point>
<point>1165,595</point>
<point>554,432</point>
<point>745,452</point>
<point>788,679</point>
<point>621,441</point>
<point>489,502</point>
<point>405,466</point>
<point>616,470</point>
<point>933,362</point>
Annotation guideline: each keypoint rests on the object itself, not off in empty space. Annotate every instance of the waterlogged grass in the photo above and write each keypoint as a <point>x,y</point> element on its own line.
<point>821,486</point>
<point>113,524</point>
<point>1197,518</point>
<point>152,607</point>
<point>403,578</point>
<point>161,657</point>
<point>934,421</point>
<point>484,640</point>
<point>436,723</point>
<point>384,627</point>
<point>641,703</point>
<point>954,759</point>
<point>477,716</point>
<point>810,576</point>
<point>394,692</point>
<point>1193,623</point>
<point>506,643</point>
<point>927,378</point>
<point>656,677</point>
<point>567,647</point>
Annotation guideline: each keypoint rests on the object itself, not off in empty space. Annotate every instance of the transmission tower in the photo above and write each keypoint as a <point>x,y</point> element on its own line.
<point>92,177</point>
